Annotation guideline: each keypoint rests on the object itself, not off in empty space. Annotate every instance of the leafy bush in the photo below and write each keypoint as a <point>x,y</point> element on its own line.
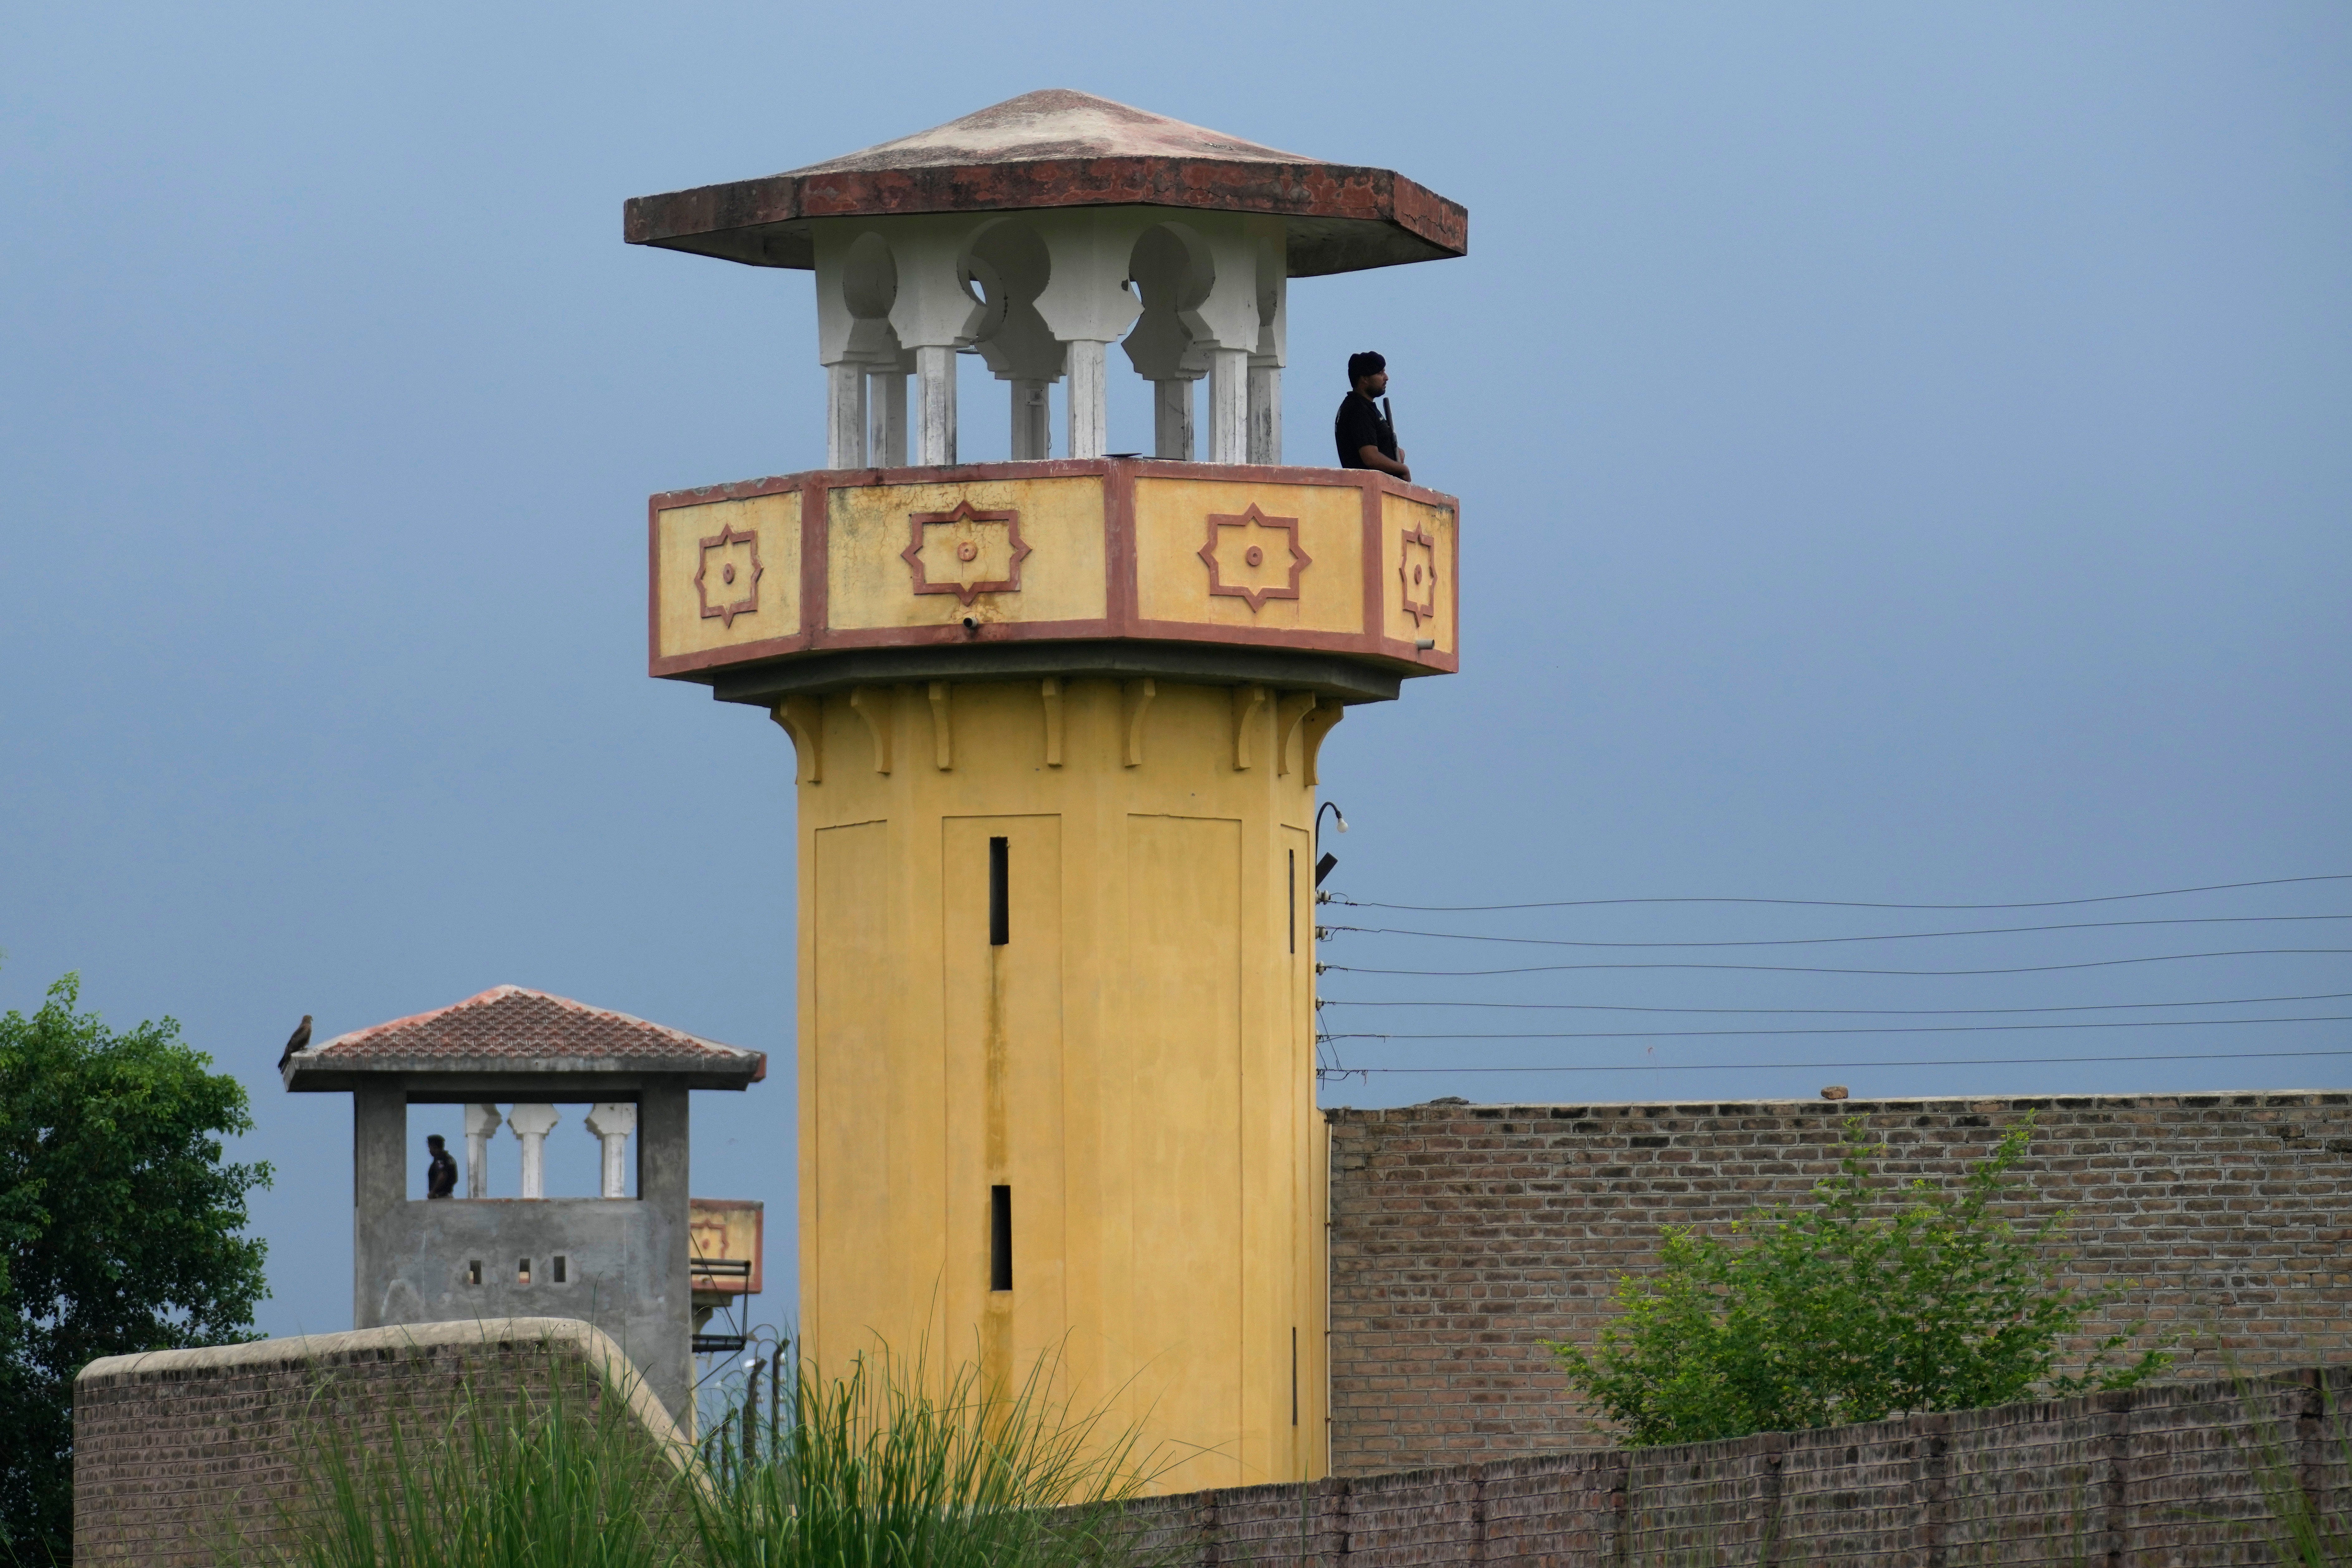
<point>1862,1304</point>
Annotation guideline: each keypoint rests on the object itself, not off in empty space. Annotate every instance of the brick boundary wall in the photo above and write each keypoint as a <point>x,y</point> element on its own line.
<point>2182,1475</point>
<point>1461,1235</point>
<point>179,1453</point>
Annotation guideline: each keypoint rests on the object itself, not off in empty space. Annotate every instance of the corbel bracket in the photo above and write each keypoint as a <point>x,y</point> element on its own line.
<point>803,719</point>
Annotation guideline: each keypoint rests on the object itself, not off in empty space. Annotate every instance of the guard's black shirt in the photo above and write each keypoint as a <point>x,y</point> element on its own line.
<point>1360,425</point>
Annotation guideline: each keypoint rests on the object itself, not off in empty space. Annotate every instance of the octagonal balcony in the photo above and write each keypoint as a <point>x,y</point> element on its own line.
<point>1341,581</point>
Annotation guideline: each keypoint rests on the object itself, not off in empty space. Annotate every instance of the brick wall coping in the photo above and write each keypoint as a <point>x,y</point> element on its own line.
<point>591,1344</point>
<point>2164,1473</point>
<point>1979,1103</point>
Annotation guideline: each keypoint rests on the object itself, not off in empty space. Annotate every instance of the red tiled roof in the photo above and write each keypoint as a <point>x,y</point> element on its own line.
<point>507,1029</point>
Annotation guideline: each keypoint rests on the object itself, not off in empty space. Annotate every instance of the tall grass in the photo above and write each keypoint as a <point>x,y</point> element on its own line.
<point>880,1469</point>
<point>2301,1529</point>
<point>559,1477</point>
<point>884,1466</point>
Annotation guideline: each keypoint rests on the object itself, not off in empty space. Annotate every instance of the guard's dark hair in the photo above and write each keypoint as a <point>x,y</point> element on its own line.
<point>1364,364</point>
<point>434,1138</point>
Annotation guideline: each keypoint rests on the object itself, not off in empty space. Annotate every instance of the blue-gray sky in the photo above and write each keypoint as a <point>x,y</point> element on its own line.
<point>1905,456</point>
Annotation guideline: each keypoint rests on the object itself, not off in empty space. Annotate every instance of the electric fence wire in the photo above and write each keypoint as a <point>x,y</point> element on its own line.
<point>1329,1065</point>
<point>1810,969</point>
<point>1833,1012</point>
<point>1834,902</point>
<point>1822,941</point>
<point>1887,1028</point>
<point>1923,1061</point>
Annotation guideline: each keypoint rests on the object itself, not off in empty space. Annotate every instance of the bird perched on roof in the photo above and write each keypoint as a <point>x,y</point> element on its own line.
<point>1834,1091</point>
<point>298,1040</point>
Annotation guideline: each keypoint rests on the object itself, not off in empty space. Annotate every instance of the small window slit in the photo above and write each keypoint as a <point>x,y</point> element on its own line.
<point>1000,911</point>
<point>999,1236</point>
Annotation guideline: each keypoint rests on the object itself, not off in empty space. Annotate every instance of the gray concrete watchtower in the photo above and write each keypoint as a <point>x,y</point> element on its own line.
<point>619,1261</point>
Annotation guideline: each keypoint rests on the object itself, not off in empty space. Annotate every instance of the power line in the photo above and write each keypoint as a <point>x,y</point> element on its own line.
<point>1804,970</point>
<point>1780,1066</point>
<point>1824,941</point>
<point>1891,1028</point>
<point>1840,904</point>
<point>1821,1012</point>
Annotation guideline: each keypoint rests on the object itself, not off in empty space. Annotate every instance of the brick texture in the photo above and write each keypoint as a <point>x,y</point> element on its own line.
<point>196,1455</point>
<point>2181,1475</point>
<point>1461,1235</point>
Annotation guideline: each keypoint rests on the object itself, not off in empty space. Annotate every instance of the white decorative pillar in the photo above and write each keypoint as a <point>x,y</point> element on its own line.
<point>1265,413</point>
<point>934,314</point>
<point>611,1125</point>
<point>1225,323</point>
<point>1087,304</point>
<point>1272,351</point>
<point>1171,420</point>
<point>1089,396</point>
<point>857,283</point>
<point>886,407</point>
<point>845,415</point>
<point>1033,421</point>
<point>934,400</point>
<point>481,1121</point>
<point>1229,405</point>
<point>531,1123</point>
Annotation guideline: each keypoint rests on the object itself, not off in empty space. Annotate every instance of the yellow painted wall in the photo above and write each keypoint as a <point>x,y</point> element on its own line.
<point>1399,518</point>
<point>1172,583</point>
<point>774,521</point>
<point>1136,1061</point>
<point>868,526</point>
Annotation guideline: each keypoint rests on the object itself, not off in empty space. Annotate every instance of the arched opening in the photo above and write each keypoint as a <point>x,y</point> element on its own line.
<point>1173,272</point>
<point>1008,264</point>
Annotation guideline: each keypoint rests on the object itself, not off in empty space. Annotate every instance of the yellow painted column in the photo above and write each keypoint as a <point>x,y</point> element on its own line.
<point>1057,939</point>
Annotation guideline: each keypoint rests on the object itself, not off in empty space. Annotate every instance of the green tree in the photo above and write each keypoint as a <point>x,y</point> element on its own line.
<point>121,1230</point>
<point>1864,1302</point>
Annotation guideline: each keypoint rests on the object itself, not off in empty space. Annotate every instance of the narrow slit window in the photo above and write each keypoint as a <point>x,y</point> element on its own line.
<point>999,1234</point>
<point>1292,883</point>
<point>1000,902</point>
<point>474,1271</point>
<point>522,1270</point>
<point>561,1269</point>
<point>1294,1368</point>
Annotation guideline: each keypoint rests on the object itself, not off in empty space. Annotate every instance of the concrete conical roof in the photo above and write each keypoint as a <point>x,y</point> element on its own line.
<point>1056,123</point>
<point>1060,148</point>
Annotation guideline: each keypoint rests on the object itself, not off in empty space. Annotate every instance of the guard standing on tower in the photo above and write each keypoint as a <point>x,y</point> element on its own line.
<point>1366,436</point>
<point>441,1171</point>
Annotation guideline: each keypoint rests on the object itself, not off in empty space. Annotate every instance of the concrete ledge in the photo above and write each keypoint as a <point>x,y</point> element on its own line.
<point>595,1347</point>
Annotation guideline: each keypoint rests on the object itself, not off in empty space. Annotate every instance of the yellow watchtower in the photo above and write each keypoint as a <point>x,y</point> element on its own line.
<point>1057,722</point>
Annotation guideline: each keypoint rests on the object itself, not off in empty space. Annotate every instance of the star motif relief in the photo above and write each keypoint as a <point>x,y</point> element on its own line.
<point>1254,557</point>
<point>966,553</point>
<point>1417,574</point>
<point>737,557</point>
